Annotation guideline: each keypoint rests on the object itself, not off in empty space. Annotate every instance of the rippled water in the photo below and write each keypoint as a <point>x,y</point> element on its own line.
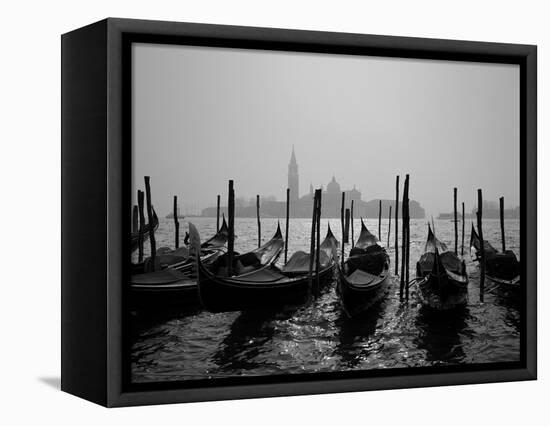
<point>197,344</point>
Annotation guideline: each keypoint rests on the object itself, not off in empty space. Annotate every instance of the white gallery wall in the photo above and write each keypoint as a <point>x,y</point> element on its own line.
<point>30,213</point>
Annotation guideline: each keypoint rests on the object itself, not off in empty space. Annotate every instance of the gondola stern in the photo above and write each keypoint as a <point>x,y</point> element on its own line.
<point>329,232</point>
<point>474,238</point>
<point>431,235</point>
<point>224,226</point>
<point>194,242</point>
<point>438,268</point>
<point>278,232</point>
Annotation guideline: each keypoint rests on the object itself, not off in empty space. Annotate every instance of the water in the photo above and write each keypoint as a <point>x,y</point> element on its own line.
<point>319,338</point>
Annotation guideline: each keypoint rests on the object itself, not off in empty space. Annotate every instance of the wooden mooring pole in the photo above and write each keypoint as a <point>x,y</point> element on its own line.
<point>352,227</point>
<point>397,225</point>
<point>135,220</point>
<point>176,222</point>
<point>231,226</point>
<point>312,243</point>
<point>348,217</point>
<point>403,239</point>
<point>380,220</point>
<point>408,243</point>
<point>389,228</point>
<point>481,244</point>
<point>456,220</point>
<point>343,225</point>
<point>286,223</point>
<point>502,236</point>
<point>141,230</point>
<point>258,219</point>
<point>463,224</point>
<point>150,221</point>
<point>218,215</point>
<point>318,243</point>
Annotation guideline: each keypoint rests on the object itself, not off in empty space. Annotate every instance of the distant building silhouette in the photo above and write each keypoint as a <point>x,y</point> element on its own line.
<point>491,210</point>
<point>331,202</point>
<point>293,177</point>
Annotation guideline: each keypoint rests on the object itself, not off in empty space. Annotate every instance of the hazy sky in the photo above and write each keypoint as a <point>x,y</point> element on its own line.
<point>203,115</point>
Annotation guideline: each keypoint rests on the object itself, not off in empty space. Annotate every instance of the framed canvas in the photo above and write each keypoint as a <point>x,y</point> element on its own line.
<point>253,212</point>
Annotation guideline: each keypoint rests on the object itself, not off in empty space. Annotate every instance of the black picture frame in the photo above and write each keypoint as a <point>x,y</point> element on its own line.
<point>96,190</point>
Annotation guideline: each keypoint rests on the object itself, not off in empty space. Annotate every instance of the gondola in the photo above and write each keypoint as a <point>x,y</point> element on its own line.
<point>179,259</point>
<point>441,276</point>
<point>363,278</point>
<point>502,269</point>
<point>251,261</point>
<point>134,238</point>
<point>219,239</point>
<point>210,250</point>
<point>330,245</point>
<point>173,287</point>
<point>298,264</point>
<point>265,287</point>
<point>162,289</point>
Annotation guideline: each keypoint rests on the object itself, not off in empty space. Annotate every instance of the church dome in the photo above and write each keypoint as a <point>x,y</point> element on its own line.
<point>333,186</point>
<point>355,194</point>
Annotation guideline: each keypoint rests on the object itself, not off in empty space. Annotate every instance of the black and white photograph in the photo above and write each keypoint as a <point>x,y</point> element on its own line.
<point>275,213</point>
<point>299,212</point>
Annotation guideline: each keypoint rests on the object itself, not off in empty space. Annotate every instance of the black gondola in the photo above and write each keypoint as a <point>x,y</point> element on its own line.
<point>363,278</point>
<point>134,238</point>
<point>173,287</point>
<point>441,275</point>
<point>365,240</point>
<point>210,250</point>
<point>162,289</point>
<point>266,287</point>
<point>501,268</point>
<point>179,259</point>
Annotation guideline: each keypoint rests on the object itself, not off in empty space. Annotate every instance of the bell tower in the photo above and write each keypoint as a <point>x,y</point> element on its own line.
<point>293,179</point>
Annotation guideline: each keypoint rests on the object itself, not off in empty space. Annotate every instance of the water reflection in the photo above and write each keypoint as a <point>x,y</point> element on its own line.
<point>318,336</point>
<point>508,304</point>
<point>355,334</point>
<point>142,321</point>
<point>248,336</point>
<point>512,310</point>
<point>439,334</point>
